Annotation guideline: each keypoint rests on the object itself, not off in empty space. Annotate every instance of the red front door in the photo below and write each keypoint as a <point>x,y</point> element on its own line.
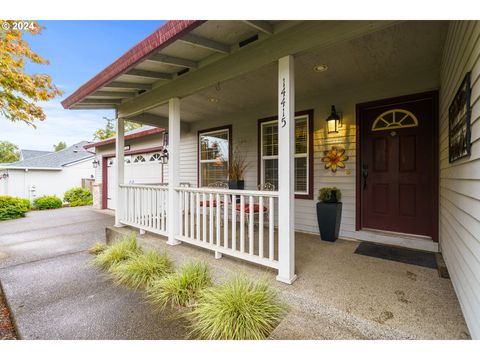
<point>398,164</point>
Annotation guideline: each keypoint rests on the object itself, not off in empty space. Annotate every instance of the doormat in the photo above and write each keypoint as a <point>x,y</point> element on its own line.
<point>406,256</point>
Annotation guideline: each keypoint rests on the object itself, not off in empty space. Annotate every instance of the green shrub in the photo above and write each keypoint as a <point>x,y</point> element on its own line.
<point>237,310</point>
<point>330,195</point>
<point>13,208</point>
<point>78,197</point>
<point>47,202</point>
<point>97,248</point>
<point>117,253</point>
<point>140,270</point>
<point>181,288</point>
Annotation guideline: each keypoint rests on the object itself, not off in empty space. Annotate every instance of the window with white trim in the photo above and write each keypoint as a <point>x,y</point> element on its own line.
<point>214,149</point>
<point>269,153</point>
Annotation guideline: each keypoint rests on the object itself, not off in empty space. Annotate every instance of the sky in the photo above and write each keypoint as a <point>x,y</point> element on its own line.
<point>77,51</point>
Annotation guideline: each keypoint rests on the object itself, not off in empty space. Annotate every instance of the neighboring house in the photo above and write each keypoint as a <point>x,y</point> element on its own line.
<point>143,163</point>
<point>47,173</point>
<point>217,84</point>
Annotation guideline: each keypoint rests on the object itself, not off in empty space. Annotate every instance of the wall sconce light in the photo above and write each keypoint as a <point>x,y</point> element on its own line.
<point>95,163</point>
<point>334,121</point>
<point>164,156</point>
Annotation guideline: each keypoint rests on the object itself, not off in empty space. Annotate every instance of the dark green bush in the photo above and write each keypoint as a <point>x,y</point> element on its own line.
<point>329,195</point>
<point>78,197</point>
<point>47,202</point>
<point>13,208</point>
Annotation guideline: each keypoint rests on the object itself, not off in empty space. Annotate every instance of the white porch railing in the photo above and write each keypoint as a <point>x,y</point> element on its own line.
<point>221,220</point>
<point>216,219</point>
<point>145,207</point>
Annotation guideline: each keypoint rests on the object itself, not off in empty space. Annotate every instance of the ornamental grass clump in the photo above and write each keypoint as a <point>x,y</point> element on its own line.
<point>117,253</point>
<point>181,288</point>
<point>97,248</point>
<point>236,310</point>
<point>142,269</point>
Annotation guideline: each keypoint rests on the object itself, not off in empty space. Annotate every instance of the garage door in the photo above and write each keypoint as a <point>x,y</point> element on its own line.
<point>139,169</point>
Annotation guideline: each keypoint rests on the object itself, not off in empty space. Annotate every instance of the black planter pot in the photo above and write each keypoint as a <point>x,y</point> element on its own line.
<point>236,184</point>
<point>329,216</point>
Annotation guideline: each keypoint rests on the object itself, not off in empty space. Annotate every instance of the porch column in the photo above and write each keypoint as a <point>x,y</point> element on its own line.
<point>286,151</point>
<point>173,168</point>
<point>119,168</point>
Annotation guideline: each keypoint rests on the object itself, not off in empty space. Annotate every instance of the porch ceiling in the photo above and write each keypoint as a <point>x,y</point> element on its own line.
<point>180,49</point>
<point>405,49</point>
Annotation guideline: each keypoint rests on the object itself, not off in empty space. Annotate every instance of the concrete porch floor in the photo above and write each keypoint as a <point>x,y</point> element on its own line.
<point>342,295</point>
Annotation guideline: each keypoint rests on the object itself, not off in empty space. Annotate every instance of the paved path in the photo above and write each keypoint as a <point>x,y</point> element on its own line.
<point>54,293</point>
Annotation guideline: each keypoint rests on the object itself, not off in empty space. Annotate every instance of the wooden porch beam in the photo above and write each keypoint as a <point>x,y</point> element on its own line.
<point>93,106</point>
<point>205,43</point>
<point>157,121</point>
<point>113,94</point>
<point>100,101</point>
<point>171,60</point>
<point>128,85</point>
<point>261,25</point>
<point>149,74</point>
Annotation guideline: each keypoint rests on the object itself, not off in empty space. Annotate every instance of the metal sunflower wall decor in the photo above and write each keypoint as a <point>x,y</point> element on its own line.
<point>334,158</point>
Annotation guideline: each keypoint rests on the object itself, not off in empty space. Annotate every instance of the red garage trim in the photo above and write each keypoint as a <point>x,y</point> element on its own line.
<point>127,137</point>
<point>163,36</point>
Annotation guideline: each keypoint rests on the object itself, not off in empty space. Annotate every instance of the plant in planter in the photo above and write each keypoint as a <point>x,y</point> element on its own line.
<point>237,167</point>
<point>329,213</point>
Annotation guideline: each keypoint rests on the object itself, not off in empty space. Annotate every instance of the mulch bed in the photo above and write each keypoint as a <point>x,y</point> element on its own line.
<point>7,330</point>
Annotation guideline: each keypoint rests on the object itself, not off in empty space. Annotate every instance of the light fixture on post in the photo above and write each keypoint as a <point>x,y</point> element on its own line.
<point>334,121</point>
<point>95,163</point>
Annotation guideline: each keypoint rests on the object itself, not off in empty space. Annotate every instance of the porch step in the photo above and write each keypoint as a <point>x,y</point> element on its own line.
<point>396,239</point>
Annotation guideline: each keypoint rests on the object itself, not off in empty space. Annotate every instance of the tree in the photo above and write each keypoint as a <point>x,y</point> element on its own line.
<point>109,130</point>
<point>9,152</point>
<point>20,92</point>
<point>60,146</point>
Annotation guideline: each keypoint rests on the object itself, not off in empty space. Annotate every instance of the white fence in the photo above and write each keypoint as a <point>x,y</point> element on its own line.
<point>220,220</point>
<point>145,207</point>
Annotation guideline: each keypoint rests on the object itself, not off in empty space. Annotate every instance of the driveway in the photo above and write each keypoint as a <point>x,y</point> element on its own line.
<point>54,293</point>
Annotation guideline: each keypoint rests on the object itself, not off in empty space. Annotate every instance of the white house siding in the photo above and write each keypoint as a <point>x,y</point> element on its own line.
<point>47,182</point>
<point>460,181</point>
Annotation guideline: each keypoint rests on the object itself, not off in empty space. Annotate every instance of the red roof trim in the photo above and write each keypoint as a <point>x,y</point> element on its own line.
<point>127,137</point>
<point>163,36</point>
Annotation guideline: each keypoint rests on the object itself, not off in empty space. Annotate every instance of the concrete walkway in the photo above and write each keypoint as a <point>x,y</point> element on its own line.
<point>53,292</point>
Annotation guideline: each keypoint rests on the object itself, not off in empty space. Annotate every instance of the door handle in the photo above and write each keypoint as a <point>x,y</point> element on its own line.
<point>364,175</point>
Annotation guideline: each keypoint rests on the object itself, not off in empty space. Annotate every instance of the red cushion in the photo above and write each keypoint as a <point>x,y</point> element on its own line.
<point>256,208</point>
<point>207,203</point>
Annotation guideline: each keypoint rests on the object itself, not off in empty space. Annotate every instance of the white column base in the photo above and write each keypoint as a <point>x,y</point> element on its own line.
<point>118,225</point>
<point>173,242</point>
<point>142,232</point>
<point>286,280</point>
<point>218,255</point>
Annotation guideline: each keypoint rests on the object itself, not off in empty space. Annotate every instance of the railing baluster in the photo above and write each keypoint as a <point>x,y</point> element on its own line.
<point>204,216</point>
<point>242,223</point>
<point>251,213</point>
<point>218,211</point>
<point>234,222</point>
<point>180,212</point>
<point>225,221</point>
<point>192,215</point>
<point>260,226</point>
<point>197,199</point>
<point>271,220</point>
<point>186,211</point>
<point>210,219</point>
